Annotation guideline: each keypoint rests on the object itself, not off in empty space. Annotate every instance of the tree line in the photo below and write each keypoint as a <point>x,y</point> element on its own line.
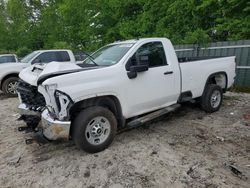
<point>27,25</point>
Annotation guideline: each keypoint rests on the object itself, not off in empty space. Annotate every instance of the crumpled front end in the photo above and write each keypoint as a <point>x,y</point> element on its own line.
<point>30,97</point>
<point>27,110</point>
<point>32,103</point>
<point>55,118</point>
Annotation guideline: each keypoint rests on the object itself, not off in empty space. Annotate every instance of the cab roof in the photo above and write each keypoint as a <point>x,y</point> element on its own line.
<point>52,50</point>
<point>7,54</point>
<point>133,41</point>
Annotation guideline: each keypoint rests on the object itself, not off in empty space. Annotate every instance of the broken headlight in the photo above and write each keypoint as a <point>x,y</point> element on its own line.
<point>64,102</point>
<point>51,88</point>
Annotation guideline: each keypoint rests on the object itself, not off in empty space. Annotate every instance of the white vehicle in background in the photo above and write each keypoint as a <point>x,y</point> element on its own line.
<point>8,58</point>
<point>9,71</point>
<point>122,84</point>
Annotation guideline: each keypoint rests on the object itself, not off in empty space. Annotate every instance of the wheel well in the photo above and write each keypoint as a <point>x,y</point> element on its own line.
<point>109,102</point>
<point>6,77</point>
<point>219,78</point>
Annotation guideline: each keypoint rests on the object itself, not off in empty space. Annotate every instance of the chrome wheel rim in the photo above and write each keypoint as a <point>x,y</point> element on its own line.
<point>98,130</point>
<point>11,87</point>
<point>215,99</point>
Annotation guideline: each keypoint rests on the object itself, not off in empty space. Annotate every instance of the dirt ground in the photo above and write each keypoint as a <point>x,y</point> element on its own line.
<point>188,148</point>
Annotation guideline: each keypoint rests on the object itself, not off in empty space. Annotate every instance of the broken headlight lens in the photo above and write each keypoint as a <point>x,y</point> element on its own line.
<point>51,87</point>
<point>64,102</point>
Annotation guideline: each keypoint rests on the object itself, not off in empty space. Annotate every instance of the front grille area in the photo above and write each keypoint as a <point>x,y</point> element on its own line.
<point>30,95</point>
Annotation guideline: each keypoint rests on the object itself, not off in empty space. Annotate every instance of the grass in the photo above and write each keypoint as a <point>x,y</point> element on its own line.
<point>240,89</point>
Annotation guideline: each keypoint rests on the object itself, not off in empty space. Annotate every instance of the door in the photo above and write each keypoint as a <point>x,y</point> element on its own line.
<point>154,88</point>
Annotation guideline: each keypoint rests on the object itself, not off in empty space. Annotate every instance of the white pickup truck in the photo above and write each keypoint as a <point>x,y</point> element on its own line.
<point>122,84</point>
<point>9,71</point>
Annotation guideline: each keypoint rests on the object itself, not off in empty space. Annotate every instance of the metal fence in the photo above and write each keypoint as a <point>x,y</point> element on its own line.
<point>240,49</point>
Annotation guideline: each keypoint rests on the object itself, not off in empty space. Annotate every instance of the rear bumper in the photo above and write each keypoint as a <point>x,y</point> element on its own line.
<point>54,129</point>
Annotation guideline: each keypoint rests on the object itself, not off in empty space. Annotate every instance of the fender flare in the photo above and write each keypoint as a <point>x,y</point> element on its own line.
<point>110,101</point>
<point>214,74</point>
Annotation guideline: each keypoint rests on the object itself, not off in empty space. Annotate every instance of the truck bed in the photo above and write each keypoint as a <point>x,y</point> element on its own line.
<point>189,59</point>
<point>196,72</point>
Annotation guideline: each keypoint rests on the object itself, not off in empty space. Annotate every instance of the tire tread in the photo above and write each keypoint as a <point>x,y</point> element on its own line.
<point>80,123</point>
<point>205,99</point>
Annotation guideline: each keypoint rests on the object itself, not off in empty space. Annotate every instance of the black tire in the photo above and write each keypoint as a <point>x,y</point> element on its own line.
<point>83,120</point>
<point>206,99</point>
<point>6,85</point>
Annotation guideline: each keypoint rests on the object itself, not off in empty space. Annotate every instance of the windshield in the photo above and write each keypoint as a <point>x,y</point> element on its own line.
<point>108,55</point>
<point>7,59</point>
<point>28,57</point>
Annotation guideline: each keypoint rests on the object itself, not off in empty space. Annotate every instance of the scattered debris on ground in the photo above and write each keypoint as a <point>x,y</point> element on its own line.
<point>188,148</point>
<point>237,172</point>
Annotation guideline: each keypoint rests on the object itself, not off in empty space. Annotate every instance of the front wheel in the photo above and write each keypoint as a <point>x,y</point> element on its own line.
<point>94,129</point>
<point>211,99</point>
<point>10,86</point>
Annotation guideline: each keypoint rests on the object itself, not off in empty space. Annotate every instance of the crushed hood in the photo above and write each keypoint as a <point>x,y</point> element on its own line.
<point>32,73</point>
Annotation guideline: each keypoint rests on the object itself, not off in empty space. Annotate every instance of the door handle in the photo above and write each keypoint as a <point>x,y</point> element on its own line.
<point>168,72</point>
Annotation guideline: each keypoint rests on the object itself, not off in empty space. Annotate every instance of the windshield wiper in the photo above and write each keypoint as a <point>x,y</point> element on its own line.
<point>91,59</point>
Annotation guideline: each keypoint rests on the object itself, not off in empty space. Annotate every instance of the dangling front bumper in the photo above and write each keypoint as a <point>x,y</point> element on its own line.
<point>54,129</point>
<point>24,109</point>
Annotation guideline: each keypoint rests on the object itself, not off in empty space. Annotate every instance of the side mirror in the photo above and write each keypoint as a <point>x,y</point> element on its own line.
<point>142,65</point>
<point>138,68</point>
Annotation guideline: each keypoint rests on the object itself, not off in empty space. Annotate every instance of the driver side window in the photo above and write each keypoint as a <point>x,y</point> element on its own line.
<point>155,53</point>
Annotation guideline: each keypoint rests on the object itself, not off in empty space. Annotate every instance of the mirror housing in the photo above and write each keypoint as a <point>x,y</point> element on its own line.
<point>142,64</point>
<point>138,68</point>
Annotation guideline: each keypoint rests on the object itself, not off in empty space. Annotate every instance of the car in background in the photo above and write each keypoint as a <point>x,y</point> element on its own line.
<point>8,58</point>
<point>9,71</point>
<point>81,56</point>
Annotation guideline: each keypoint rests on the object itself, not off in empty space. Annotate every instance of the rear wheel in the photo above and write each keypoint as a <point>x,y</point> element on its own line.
<point>211,99</point>
<point>10,86</point>
<point>94,129</point>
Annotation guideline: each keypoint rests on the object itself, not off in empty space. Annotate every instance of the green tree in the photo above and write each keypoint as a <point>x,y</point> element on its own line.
<point>87,25</point>
<point>3,27</point>
<point>18,24</point>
